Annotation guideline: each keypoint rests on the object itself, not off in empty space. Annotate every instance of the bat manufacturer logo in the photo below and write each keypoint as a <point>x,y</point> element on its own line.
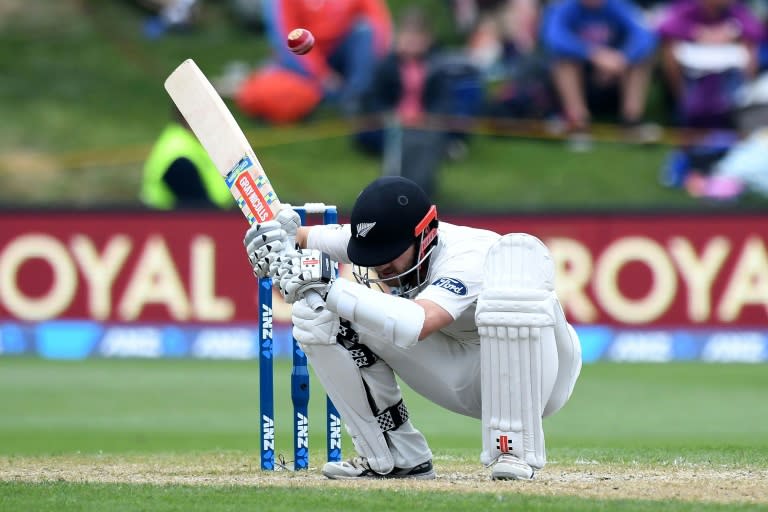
<point>364,228</point>
<point>503,445</point>
<point>452,285</point>
<point>253,198</point>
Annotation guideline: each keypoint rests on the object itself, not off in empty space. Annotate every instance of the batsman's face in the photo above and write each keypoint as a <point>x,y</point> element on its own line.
<point>397,266</point>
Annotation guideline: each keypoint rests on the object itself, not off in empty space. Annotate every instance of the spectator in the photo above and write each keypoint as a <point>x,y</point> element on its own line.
<point>709,50</point>
<point>464,13</point>
<point>500,29</point>
<point>179,173</point>
<point>248,13</point>
<point>762,51</point>
<point>413,82</point>
<point>350,36</point>
<point>171,15</point>
<point>600,49</point>
<point>502,42</point>
<point>727,163</point>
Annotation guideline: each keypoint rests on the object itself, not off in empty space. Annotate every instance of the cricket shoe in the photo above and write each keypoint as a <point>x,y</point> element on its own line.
<point>358,468</point>
<point>509,467</point>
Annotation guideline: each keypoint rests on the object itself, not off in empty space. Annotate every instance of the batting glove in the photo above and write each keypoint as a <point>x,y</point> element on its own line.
<point>265,241</point>
<point>301,271</point>
<point>312,327</point>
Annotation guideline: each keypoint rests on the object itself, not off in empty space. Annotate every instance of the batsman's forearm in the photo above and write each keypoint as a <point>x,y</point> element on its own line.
<point>301,236</point>
<point>394,319</point>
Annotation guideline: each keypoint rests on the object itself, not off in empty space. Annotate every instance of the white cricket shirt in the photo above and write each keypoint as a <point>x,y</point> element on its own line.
<point>455,274</point>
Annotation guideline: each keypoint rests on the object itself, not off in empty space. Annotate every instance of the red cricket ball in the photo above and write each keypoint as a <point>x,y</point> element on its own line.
<point>300,41</point>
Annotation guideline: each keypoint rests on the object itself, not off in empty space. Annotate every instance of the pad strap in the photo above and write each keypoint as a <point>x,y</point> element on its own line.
<point>349,339</point>
<point>362,355</point>
<point>344,384</point>
<point>347,333</point>
<point>392,417</point>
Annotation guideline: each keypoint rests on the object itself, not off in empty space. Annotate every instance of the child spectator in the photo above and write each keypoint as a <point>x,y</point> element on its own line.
<point>598,48</point>
<point>412,83</point>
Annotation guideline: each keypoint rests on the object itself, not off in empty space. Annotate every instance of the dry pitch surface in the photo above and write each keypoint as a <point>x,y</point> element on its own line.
<point>587,479</point>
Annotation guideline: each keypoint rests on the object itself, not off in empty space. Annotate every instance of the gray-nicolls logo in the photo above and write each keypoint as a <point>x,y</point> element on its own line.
<point>364,228</point>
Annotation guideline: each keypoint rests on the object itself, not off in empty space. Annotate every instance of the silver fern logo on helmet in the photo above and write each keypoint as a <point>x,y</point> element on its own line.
<point>364,228</point>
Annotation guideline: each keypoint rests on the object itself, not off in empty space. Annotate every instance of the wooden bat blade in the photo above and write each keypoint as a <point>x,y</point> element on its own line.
<point>218,132</point>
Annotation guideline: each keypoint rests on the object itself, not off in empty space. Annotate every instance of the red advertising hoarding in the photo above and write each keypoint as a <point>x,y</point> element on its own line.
<point>638,270</point>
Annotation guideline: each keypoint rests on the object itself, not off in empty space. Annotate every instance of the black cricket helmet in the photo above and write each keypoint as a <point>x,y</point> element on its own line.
<point>391,214</point>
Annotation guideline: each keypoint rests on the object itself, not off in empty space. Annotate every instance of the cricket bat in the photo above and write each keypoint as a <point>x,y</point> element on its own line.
<point>218,132</point>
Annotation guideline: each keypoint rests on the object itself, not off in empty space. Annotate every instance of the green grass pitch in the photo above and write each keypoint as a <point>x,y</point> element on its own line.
<point>183,435</point>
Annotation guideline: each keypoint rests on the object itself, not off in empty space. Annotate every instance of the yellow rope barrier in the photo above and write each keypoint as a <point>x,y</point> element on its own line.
<point>274,136</point>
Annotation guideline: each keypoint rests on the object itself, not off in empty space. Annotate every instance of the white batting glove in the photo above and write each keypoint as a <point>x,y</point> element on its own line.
<point>265,241</point>
<point>301,271</point>
<point>314,328</point>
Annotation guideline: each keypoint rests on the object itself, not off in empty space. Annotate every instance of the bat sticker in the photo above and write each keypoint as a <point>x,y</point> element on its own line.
<point>240,167</point>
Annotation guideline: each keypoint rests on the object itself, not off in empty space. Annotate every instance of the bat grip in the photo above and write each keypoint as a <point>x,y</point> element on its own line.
<point>314,300</point>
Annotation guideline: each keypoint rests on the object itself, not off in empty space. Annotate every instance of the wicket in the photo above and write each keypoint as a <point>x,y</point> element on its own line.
<point>299,377</point>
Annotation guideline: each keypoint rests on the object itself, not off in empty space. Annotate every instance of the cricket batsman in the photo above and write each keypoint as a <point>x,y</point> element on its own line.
<point>466,317</point>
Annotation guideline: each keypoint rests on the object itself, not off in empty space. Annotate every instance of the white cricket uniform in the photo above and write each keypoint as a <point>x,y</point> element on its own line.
<point>445,366</point>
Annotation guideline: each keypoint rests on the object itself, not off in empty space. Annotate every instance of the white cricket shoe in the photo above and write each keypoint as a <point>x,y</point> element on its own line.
<point>358,468</point>
<point>509,467</point>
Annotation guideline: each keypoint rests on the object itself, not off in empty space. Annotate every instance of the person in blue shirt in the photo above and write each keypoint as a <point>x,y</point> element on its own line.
<point>598,48</point>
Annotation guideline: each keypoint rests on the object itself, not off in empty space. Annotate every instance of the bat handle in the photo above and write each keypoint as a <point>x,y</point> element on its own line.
<point>314,300</point>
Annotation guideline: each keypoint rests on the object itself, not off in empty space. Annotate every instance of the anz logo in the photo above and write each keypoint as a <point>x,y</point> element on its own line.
<point>268,438</point>
<point>452,285</point>
<point>266,322</point>
<point>335,435</point>
<point>302,430</point>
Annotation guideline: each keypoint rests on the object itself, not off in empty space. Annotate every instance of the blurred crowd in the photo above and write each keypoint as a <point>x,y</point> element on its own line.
<point>567,63</point>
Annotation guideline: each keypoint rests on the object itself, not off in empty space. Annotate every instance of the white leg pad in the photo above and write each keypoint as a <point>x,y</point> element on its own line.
<point>519,363</point>
<point>569,363</point>
<point>342,381</point>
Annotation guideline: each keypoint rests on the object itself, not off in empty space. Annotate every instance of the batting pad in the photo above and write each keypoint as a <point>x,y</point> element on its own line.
<point>516,319</point>
<point>341,379</point>
<point>569,363</point>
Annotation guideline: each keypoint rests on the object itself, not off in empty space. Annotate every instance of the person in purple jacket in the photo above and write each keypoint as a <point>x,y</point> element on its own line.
<point>598,46</point>
<point>709,48</point>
